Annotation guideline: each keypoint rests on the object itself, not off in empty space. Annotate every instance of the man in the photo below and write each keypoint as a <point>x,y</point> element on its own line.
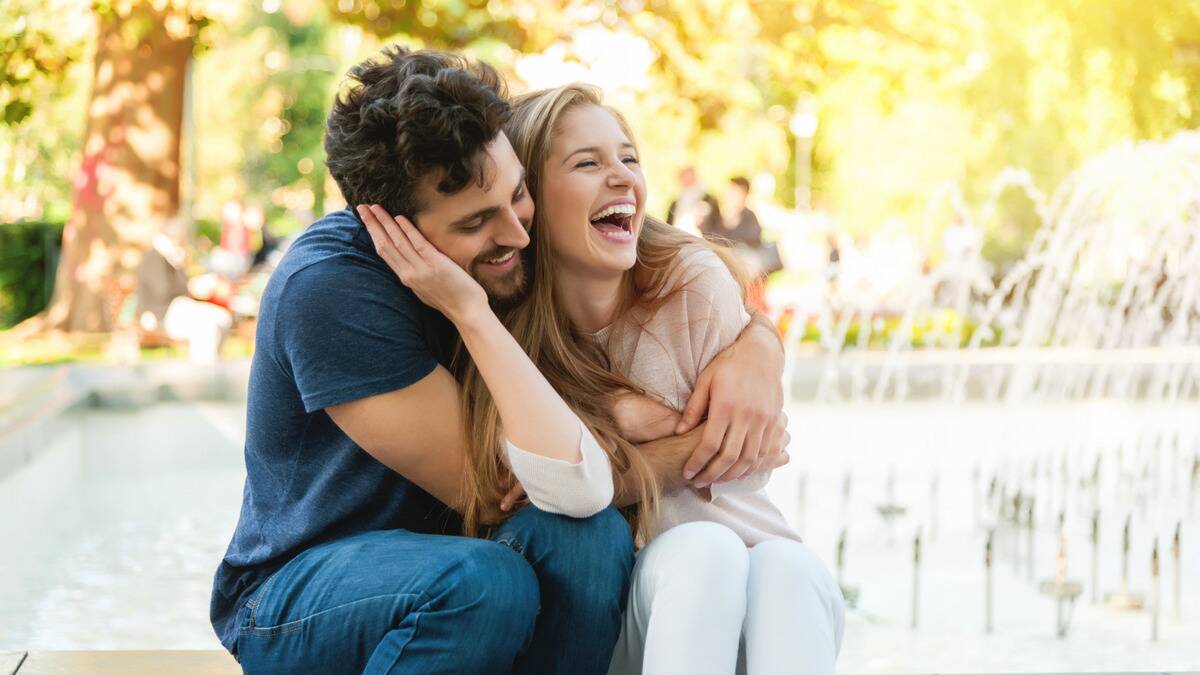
<point>738,224</point>
<point>344,558</point>
<point>694,210</point>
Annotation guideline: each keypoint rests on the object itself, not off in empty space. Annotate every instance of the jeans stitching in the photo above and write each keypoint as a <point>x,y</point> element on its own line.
<point>293,626</point>
<point>255,601</point>
<point>511,541</point>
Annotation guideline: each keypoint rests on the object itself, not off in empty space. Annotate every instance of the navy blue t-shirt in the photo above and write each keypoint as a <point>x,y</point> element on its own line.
<point>335,325</point>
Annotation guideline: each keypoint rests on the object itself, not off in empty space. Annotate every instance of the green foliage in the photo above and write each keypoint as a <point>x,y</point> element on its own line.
<point>942,328</point>
<point>909,95</point>
<point>33,54</point>
<point>28,256</point>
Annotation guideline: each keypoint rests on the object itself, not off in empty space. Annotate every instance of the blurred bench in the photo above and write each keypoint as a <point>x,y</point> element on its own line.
<point>118,663</point>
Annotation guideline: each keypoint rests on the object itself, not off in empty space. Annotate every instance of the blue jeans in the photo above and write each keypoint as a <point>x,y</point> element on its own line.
<point>544,596</point>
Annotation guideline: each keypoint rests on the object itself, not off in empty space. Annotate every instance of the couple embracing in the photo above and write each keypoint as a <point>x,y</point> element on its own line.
<point>489,438</point>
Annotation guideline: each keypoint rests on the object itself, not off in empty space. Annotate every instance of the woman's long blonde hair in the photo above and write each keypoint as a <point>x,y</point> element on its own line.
<point>574,364</point>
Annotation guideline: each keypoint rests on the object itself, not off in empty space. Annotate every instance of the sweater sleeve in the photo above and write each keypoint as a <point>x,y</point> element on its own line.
<point>715,312</point>
<point>741,486</point>
<point>577,490</point>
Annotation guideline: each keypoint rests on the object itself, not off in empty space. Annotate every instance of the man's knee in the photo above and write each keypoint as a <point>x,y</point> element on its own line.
<point>498,587</point>
<point>603,537</point>
<point>593,556</point>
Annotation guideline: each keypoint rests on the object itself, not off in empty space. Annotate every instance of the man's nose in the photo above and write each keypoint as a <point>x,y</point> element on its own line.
<point>512,232</point>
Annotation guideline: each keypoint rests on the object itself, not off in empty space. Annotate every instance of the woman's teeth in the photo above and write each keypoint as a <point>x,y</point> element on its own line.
<point>617,209</point>
<point>615,223</point>
<point>614,232</point>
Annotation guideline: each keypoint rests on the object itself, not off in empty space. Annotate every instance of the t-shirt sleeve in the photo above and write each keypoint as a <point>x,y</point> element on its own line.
<point>346,331</point>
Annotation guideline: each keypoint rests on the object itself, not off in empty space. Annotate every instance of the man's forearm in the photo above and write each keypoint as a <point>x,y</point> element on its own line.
<point>766,335</point>
<point>666,457</point>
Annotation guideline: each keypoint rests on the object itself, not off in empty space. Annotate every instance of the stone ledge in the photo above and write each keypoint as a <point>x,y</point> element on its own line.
<point>195,662</point>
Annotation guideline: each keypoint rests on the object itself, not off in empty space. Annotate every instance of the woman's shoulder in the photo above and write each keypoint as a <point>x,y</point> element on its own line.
<point>700,270</point>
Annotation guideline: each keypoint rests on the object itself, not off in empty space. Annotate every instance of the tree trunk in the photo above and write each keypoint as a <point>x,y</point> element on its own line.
<point>128,183</point>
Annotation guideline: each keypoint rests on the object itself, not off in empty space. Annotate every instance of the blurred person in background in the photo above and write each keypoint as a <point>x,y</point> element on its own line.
<point>694,211</point>
<point>738,224</point>
<point>171,306</point>
<point>231,258</point>
<point>268,241</point>
<point>739,228</point>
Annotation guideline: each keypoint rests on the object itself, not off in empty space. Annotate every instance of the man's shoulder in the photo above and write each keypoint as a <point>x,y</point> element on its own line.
<point>335,237</point>
<point>331,270</point>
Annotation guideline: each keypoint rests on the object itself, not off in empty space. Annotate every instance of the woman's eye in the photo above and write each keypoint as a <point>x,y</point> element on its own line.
<point>630,160</point>
<point>586,163</point>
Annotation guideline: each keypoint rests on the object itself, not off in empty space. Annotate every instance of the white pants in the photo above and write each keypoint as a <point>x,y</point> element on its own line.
<point>701,602</point>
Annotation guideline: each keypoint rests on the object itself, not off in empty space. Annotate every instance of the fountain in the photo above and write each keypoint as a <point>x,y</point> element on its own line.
<point>987,566</point>
<point>1177,553</point>
<point>1059,386</point>
<point>1154,595</point>
<point>849,593</point>
<point>1125,599</point>
<point>916,577</point>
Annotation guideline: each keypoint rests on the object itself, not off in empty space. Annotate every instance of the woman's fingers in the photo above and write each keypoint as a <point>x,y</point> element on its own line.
<point>395,234</point>
<point>419,244</point>
<point>383,243</point>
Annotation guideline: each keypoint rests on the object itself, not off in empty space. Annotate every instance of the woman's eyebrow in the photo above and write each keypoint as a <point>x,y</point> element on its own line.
<point>592,148</point>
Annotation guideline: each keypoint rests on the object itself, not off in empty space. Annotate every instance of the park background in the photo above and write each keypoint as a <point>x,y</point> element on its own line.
<point>939,147</point>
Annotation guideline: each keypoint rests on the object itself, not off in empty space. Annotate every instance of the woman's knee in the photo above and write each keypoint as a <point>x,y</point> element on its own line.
<point>702,557</point>
<point>783,563</point>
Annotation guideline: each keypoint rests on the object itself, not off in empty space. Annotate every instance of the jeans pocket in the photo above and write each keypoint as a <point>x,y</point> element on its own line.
<point>256,598</point>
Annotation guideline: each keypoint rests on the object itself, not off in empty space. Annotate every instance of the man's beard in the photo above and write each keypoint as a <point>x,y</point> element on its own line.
<point>507,291</point>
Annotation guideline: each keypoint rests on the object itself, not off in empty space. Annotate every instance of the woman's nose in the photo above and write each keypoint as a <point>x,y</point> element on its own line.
<point>620,175</point>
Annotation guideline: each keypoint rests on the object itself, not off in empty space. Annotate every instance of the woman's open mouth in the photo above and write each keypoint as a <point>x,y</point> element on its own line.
<point>615,223</point>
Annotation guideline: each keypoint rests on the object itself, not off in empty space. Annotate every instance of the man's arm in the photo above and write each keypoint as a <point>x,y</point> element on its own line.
<point>741,392</point>
<point>416,431</point>
<point>667,457</point>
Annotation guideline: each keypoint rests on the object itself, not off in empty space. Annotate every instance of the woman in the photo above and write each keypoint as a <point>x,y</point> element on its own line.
<point>663,303</point>
<point>621,302</point>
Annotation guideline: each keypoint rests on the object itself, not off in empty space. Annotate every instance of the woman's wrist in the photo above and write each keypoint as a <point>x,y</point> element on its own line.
<point>474,320</point>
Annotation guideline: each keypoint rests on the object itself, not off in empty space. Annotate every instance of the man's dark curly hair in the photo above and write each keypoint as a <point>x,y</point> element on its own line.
<point>407,114</point>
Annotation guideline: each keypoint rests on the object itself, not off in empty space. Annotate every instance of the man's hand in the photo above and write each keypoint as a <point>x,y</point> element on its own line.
<point>641,419</point>
<point>516,496</point>
<point>741,391</point>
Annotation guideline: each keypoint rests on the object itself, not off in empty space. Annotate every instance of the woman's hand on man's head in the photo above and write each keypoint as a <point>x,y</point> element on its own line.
<point>436,279</point>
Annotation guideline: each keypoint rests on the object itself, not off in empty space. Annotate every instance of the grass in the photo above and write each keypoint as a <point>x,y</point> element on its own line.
<point>60,348</point>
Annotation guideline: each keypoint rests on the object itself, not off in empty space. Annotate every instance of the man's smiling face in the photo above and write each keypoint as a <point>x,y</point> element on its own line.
<point>483,228</point>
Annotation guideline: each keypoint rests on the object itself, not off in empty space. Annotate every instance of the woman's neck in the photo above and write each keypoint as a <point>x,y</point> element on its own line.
<point>591,303</point>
